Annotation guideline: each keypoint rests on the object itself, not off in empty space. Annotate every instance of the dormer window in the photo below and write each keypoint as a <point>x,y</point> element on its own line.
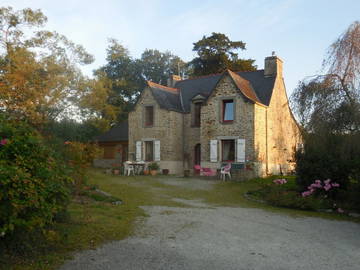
<point>228,110</point>
<point>149,116</point>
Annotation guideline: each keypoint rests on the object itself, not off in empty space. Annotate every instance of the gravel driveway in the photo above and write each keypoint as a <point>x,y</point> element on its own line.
<point>207,237</point>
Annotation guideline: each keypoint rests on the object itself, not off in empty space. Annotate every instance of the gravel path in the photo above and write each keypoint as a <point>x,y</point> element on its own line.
<point>206,237</point>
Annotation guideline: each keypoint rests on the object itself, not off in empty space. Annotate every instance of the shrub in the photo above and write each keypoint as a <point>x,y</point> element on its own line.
<point>329,156</point>
<point>34,186</point>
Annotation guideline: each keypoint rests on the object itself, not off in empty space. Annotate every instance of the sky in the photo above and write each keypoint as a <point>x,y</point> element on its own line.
<point>299,31</point>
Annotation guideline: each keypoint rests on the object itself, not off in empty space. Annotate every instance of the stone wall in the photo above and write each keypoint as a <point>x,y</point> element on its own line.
<point>213,128</point>
<point>191,138</point>
<point>167,128</point>
<point>283,132</point>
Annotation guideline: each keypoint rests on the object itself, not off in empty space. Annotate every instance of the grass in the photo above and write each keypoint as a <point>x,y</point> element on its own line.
<point>98,220</point>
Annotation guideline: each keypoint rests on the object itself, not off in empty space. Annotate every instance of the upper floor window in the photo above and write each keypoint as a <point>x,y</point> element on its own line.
<point>228,110</point>
<point>149,116</point>
<point>197,115</point>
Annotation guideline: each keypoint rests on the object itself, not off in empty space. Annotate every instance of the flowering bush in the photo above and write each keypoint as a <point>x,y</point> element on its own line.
<point>320,187</point>
<point>33,182</point>
<point>280,181</point>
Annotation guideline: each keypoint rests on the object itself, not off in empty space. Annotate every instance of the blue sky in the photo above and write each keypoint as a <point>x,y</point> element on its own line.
<point>298,31</point>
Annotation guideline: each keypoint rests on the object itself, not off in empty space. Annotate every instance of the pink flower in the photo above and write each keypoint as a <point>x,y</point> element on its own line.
<point>327,182</point>
<point>340,210</point>
<point>280,181</point>
<point>3,141</point>
<point>335,185</point>
<point>327,187</point>
<point>306,193</point>
<point>318,182</point>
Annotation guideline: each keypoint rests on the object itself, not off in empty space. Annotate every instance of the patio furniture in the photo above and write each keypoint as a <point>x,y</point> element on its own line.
<point>134,167</point>
<point>224,171</point>
<point>128,168</point>
<point>205,171</point>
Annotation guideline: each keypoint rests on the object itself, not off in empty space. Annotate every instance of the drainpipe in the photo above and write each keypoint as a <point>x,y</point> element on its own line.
<point>266,141</point>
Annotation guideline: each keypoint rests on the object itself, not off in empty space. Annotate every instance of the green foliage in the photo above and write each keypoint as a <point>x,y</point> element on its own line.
<point>329,156</point>
<point>217,53</point>
<point>156,66</point>
<point>70,130</point>
<point>34,186</point>
<point>288,195</point>
<point>153,166</point>
<point>125,75</point>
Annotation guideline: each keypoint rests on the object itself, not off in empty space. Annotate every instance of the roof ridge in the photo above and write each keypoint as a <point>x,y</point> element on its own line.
<point>215,74</point>
<point>162,87</point>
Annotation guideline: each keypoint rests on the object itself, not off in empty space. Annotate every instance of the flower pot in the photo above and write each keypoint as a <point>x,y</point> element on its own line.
<point>165,171</point>
<point>117,172</point>
<point>153,172</point>
<point>146,172</point>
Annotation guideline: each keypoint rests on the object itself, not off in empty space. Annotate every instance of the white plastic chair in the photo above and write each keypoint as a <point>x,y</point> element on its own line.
<point>224,171</point>
<point>128,168</point>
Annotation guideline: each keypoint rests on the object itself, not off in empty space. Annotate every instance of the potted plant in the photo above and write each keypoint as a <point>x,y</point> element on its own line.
<point>116,168</point>
<point>153,167</point>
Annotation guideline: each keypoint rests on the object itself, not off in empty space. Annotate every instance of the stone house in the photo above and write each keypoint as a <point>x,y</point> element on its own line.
<point>239,117</point>
<point>114,146</point>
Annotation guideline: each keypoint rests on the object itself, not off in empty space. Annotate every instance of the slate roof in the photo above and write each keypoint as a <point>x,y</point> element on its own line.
<point>119,132</point>
<point>254,85</point>
<point>167,97</point>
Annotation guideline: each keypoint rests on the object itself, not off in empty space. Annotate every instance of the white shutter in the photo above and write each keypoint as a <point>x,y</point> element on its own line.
<point>157,150</point>
<point>138,150</point>
<point>240,150</point>
<point>213,151</point>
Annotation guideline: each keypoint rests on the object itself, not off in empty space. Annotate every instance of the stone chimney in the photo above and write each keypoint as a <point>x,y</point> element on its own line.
<point>273,66</point>
<point>172,80</point>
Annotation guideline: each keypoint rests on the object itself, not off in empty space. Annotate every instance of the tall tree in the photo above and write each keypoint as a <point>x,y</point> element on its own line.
<point>328,107</point>
<point>124,76</point>
<point>217,53</point>
<point>38,68</point>
<point>156,66</point>
<point>332,101</point>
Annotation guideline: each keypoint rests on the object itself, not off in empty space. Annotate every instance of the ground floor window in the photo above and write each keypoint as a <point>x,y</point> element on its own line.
<point>228,150</point>
<point>149,151</point>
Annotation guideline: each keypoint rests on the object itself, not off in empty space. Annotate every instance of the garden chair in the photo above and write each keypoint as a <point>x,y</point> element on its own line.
<point>128,169</point>
<point>224,171</point>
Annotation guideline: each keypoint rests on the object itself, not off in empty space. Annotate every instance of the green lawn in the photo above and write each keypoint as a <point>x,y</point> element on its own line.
<point>96,221</point>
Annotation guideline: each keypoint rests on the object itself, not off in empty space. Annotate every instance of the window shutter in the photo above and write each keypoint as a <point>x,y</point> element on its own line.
<point>157,150</point>
<point>138,150</point>
<point>213,151</point>
<point>240,150</point>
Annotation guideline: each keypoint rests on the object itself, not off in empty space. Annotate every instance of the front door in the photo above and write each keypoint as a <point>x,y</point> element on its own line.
<point>197,154</point>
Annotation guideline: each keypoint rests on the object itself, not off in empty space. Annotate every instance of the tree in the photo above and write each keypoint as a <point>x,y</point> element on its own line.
<point>126,76</point>
<point>217,53</point>
<point>156,66</point>
<point>332,101</point>
<point>38,68</point>
<point>328,107</point>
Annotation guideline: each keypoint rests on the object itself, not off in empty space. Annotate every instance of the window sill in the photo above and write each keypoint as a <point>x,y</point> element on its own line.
<point>227,122</point>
